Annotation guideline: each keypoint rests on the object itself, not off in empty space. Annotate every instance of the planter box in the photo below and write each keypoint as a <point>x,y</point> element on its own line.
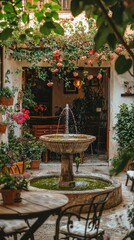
<point>3,128</point>
<point>6,101</point>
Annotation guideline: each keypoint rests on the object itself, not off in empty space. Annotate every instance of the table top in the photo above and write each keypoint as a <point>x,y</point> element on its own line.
<point>33,204</point>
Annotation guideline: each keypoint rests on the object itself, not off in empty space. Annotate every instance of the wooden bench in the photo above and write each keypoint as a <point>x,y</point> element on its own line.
<point>39,130</point>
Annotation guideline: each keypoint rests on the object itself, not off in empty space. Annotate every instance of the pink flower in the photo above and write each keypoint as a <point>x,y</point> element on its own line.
<point>90,62</point>
<point>20,117</point>
<point>96,56</point>
<point>94,25</point>
<point>60,59</point>
<point>83,57</point>
<point>14,116</point>
<point>91,51</point>
<point>50,84</point>
<point>54,70</point>
<point>56,54</point>
<point>111,56</point>
<point>51,61</point>
<point>20,121</point>
<point>59,64</point>
<point>99,76</point>
<point>118,49</point>
<point>90,77</point>
<point>72,18</point>
<point>103,58</point>
<point>75,74</point>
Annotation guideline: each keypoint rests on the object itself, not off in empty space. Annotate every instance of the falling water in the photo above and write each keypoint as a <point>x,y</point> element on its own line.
<point>66,111</point>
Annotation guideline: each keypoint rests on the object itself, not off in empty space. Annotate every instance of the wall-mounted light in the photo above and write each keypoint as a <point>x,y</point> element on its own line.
<point>77,83</point>
<point>17,107</point>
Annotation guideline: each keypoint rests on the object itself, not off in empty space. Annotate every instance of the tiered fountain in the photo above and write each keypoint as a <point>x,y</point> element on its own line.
<point>67,145</point>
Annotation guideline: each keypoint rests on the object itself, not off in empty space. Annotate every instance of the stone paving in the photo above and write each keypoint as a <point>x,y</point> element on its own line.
<point>114,221</point>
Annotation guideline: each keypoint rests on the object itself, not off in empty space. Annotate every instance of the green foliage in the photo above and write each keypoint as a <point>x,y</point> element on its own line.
<point>112,20</point>
<point>122,64</point>
<point>12,15</point>
<point>7,155</point>
<point>8,181</point>
<point>124,128</point>
<point>7,92</point>
<point>124,135</point>
<point>120,161</point>
<point>28,99</point>
<point>26,147</point>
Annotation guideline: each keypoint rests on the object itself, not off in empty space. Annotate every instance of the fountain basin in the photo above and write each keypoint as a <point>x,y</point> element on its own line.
<point>78,197</point>
<point>67,143</point>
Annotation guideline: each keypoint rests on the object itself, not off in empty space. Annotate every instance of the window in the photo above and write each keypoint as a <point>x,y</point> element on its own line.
<point>65,5</point>
<point>39,3</point>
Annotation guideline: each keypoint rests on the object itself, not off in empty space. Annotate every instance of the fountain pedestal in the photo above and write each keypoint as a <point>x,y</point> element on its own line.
<point>66,176</point>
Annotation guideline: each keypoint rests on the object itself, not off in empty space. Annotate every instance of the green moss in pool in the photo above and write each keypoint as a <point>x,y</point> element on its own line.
<point>81,184</point>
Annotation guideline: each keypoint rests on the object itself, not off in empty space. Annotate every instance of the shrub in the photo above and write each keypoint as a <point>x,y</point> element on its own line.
<point>124,128</point>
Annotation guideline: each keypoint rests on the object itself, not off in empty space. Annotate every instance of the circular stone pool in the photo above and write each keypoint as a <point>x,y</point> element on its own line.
<point>83,196</point>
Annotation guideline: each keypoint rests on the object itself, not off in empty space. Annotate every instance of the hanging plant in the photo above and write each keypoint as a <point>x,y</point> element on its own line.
<point>63,52</point>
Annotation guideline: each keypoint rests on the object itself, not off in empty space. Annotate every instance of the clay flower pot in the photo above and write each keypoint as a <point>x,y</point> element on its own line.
<point>10,196</point>
<point>3,127</point>
<point>35,164</point>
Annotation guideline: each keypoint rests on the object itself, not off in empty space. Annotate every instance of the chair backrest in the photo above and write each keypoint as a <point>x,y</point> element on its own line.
<point>95,210</point>
<point>90,218</point>
<point>131,166</point>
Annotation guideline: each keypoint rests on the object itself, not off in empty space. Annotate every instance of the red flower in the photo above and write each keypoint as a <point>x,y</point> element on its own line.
<point>50,84</point>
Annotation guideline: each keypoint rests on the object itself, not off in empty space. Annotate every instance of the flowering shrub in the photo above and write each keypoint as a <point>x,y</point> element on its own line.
<point>40,108</point>
<point>11,181</point>
<point>20,117</point>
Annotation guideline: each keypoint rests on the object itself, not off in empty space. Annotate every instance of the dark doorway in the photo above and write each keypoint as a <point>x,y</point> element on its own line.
<point>92,111</point>
<point>37,96</point>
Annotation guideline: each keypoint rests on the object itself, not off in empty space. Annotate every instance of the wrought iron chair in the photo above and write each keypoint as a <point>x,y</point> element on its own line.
<point>130,175</point>
<point>13,228</point>
<point>73,223</point>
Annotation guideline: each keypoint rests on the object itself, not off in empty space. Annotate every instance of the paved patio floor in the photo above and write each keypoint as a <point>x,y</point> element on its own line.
<point>114,221</point>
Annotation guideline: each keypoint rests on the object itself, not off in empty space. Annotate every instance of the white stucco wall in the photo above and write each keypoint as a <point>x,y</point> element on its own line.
<point>116,89</point>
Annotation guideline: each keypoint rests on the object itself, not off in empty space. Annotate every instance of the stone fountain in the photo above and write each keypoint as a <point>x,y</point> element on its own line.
<point>67,145</point>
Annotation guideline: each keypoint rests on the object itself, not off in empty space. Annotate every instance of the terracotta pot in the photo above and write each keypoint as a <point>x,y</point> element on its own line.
<point>35,164</point>
<point>6,101</point>
<point>21,167</point>
<point>3,127</point>
<point>10,196</point>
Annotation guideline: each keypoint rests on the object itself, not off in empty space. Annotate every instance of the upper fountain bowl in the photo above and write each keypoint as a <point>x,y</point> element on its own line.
<point>67,143</point>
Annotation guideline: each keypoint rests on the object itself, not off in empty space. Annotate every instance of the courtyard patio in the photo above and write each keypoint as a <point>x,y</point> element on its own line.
<point>114,220</point>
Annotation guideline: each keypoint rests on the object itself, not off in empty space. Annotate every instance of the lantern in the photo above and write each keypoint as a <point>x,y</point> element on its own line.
<point>77,83</point>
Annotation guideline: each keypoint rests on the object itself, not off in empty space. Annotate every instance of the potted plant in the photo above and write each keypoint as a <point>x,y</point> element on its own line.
<point>3,122</point>
<point>6,96</point>
<point>35,152</point>
<point>122,159</point>
<point>11,186</point>
<point>28,149</point>
<point>8,157</point>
